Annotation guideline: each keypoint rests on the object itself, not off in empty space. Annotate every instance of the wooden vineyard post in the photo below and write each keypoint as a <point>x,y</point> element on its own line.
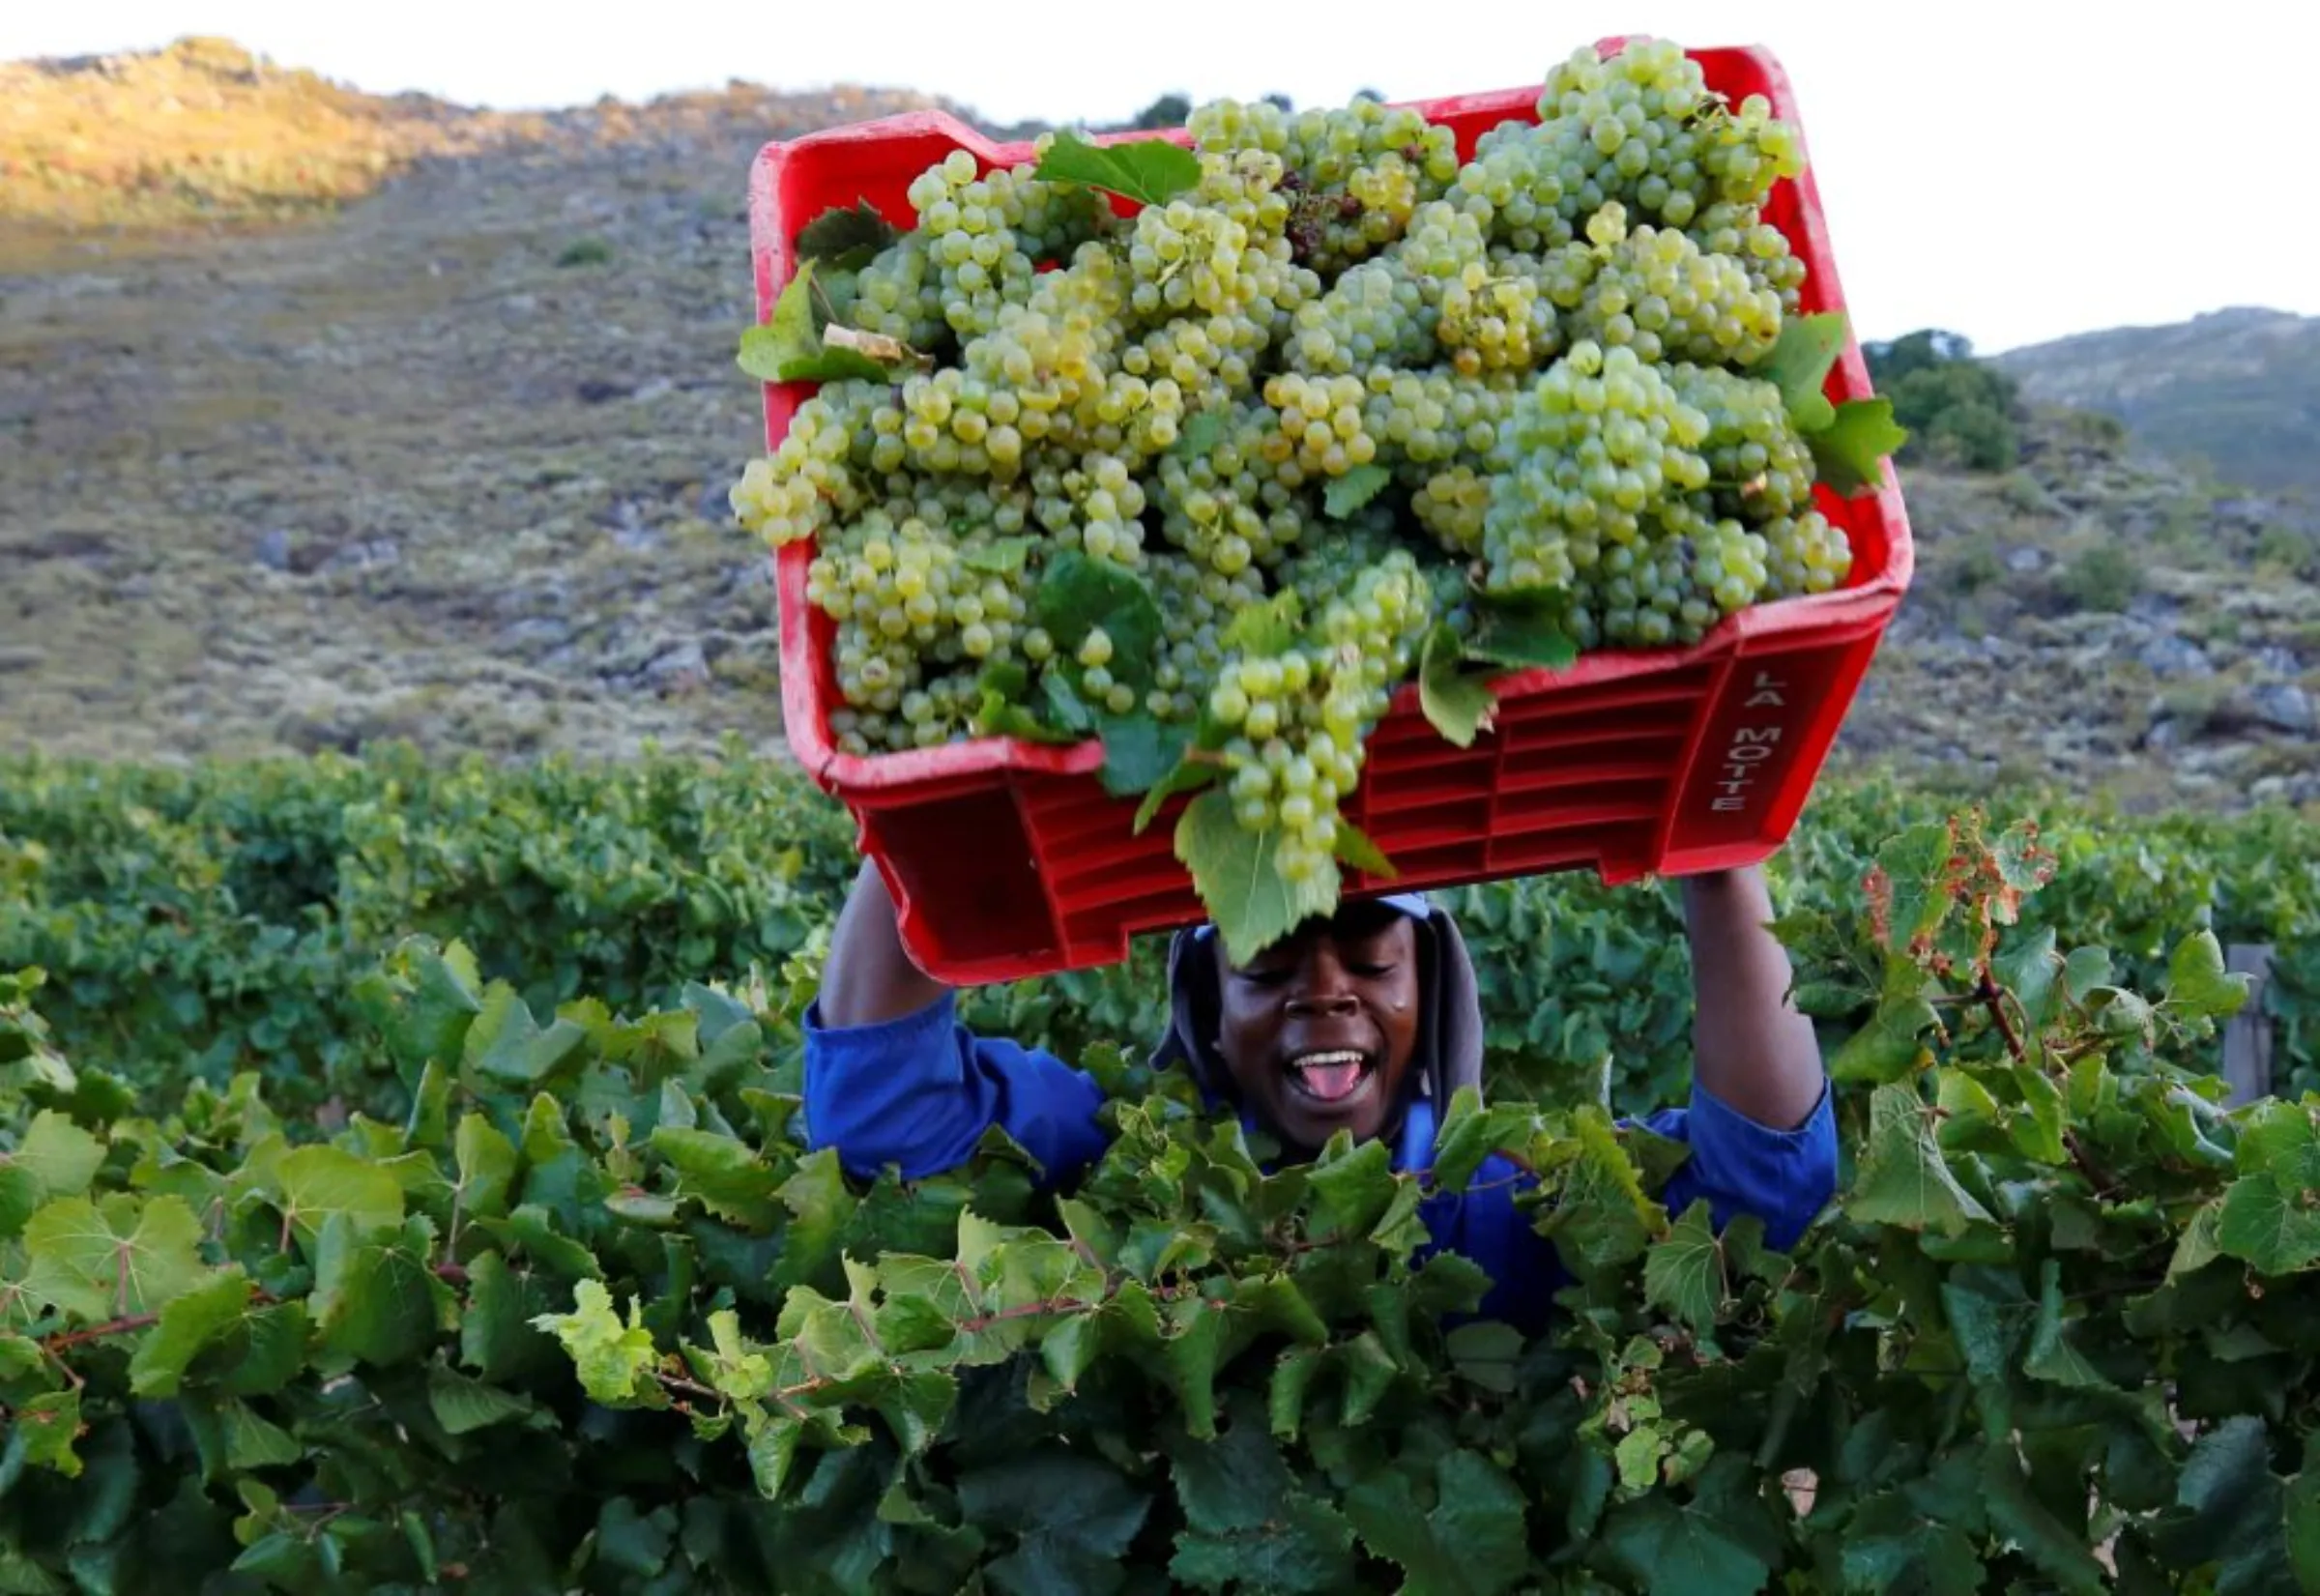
<point>2247,1036</point>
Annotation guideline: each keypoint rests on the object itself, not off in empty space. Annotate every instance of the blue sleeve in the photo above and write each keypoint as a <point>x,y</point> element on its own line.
<point>1784,1177</point>
<point>1483,1225</point>
<point>919,1092</point>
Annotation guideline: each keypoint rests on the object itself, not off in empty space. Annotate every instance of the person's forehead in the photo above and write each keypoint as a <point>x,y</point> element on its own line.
<point>1361,923</point>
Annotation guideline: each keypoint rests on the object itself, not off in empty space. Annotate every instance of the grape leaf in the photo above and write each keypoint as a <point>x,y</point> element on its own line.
<point>1268,628</point>
<point>1799,364</point>
<point>1487,1353</point>
<point>995,716</point>
<point>461,1404</point>
<point>1072,1514</point>
<point>2300,1506</point>
<point>1191,775</point>
<point>1064,701</point>
<point>487,1162</point>
<point>1238,873</point>
<point>1849,451</point>
<point>998,556</point>
<point>1001,711</point>
<point>1471,1542</point>
<point>1459,706</point>
<point>848,237</point>
<point>2017,1512</point>
<point>886,350</point>
<point>2197,983</point>
<point>1887,1048</point>
<point>188,1325</point>
<point>1889,1545</point>
<point>374,1298</point>
<point>1354,848</point>
<point>113,1257</point>
<point>320,1181</point>
<point>1152,171</point>
<point>1684,1273</point>
<point>723,1175</point>
<point>614,1360</point>
<point>1139,751</point>
<point>1234,1482</point>
<point>508,1044</point>
<point>1523,635</point>
<point>1200,435</point>
<point>1722,1543</point>
<point>1902,1178</point>
<point>1307,1547</point>
<point>58,1154</point>
<point>1078,594</point>
<point>786,348</point>
<point>1355,488</point>
<point>44,1430</point>
<point>2230,1511</point>
<point>2265,1222</point>
<point>1604,1217</point>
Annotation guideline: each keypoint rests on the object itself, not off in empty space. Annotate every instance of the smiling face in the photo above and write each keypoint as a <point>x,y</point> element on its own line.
<point>1318,1029</point>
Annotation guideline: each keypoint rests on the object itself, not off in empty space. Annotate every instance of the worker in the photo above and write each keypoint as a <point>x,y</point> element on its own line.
<point>1365,1022</point>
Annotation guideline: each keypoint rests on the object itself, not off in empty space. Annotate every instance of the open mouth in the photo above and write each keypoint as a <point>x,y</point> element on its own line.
<point>1329,1077</point>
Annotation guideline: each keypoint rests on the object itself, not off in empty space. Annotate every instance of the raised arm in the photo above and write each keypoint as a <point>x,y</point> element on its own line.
<point>1764,1138</point>
<point>1751,1049</point>
<point>891,1077</point>
<point>869,975</point>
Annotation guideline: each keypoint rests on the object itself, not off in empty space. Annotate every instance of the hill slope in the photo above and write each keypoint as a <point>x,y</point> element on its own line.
<point>2238,389</point>
<point>451,466</point>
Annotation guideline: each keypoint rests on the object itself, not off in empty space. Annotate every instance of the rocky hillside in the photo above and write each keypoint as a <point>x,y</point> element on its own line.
<point>450,465</point>
<point>2238,391</point>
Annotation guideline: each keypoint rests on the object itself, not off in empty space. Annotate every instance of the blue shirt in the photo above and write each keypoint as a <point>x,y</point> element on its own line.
<point>918,1091</point>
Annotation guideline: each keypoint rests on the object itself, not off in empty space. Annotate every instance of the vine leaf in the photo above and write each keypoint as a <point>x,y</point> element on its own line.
<point>1799,364</point>
<point>1150,171</point>
<point>1685,1273</point>
<point>1459,706</point>
<point>849,237</point>
<point>113,1257</point>
<point>1903,1179</point>
<point>1355,488</point>
<point>1850,450</point>
<point>1139,752</point>
<point>786,348</point>
<point>1355,848</point>
<point>1238,873</point>
<point>1523,635</point>
<point>1078,594</point>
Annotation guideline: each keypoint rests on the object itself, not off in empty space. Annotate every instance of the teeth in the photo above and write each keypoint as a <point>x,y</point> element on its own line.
<point>1312,1060</point>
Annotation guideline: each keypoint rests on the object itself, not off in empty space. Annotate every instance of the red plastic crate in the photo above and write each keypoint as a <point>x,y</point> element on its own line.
<point>1006,859</point>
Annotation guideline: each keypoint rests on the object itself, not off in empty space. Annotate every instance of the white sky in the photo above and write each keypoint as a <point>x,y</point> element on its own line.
<point>2014,173</point>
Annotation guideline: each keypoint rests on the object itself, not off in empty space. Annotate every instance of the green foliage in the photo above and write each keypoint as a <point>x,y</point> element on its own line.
<point>1954,407</point>
<point>589,1316</point>
<point>585,252</point>
<point>197,923</point>
<point>203,922</point>
<point>2104,578</point>
<point>1149,171</point>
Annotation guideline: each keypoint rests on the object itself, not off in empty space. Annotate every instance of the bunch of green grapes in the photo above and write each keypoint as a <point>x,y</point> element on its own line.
<point>1593,446</point>
<point>1759,467</point>
<point>1300,716</point>
<point>1233,505</point>
<point>1657,291</point>
<point>1353,177</point>
<point>919,612</point>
